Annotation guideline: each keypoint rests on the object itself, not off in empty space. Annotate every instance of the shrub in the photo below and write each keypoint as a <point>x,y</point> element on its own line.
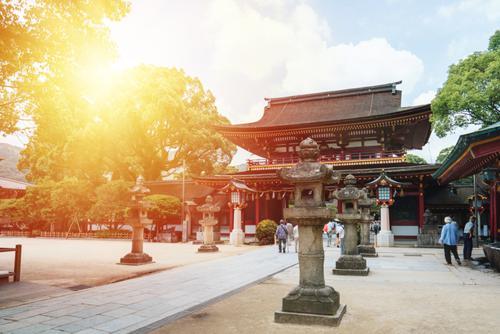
<point>265,232</point>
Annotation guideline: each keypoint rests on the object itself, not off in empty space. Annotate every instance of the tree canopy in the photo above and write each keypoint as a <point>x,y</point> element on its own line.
<point>415,159</point>
<point>49,46</point>
<point>471,93</point>
<point>443,154</point>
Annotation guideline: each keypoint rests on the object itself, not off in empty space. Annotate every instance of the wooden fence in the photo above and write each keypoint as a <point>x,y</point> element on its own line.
<point>103,234</point>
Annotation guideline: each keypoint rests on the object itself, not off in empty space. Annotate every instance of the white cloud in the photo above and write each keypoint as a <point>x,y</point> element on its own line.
<point>424,98</point>
<point>488,8</point>
<point>244,51</point>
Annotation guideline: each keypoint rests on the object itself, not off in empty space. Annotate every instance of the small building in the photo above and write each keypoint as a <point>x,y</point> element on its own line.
<point>478,152</point>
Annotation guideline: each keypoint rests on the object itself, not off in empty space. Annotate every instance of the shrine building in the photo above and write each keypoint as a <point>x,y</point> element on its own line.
<point>361,131</point>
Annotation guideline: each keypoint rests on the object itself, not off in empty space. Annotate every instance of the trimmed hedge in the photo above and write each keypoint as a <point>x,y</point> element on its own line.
<point>265,231</point>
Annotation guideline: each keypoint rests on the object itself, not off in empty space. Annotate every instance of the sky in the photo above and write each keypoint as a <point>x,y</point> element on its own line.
<point>244,51</point>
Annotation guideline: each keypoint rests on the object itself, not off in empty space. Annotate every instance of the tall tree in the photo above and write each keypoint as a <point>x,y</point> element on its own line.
<point>154,110</point>
<point>443,154</point>
<point>471,94</point>
<point>49,45</point>
<point>415,159</point>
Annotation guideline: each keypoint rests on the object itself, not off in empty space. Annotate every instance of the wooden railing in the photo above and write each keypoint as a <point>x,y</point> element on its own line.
<point>17,262</point>
<point>332,159</point>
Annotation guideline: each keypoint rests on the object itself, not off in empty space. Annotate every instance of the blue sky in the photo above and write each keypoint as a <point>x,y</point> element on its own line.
<point>244,51</point>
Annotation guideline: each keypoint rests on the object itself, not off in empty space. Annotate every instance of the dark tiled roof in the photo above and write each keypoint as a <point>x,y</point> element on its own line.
<point>335,106</point>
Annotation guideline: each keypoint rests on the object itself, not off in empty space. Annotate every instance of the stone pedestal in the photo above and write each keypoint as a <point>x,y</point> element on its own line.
<point>365,249</point>
<point>137,256</point>
<point>312,302</point>
<point>385,238</point>
<point>237,237</point>
<point>350,263</point>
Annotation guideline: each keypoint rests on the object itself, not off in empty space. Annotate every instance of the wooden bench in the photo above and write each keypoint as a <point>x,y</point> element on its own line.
<point>4,275</point>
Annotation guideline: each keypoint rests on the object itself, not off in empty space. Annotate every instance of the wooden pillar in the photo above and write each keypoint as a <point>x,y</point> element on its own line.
<point>266,208</point>
<point>257,209</point>
<point>17,264</point>
<point>231,218</point>
<point>493,211</point>
<point>421,208</point>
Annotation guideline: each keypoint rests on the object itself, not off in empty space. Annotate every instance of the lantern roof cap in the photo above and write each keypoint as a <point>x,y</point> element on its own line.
<point>384,180</point>
<point>237,185</point>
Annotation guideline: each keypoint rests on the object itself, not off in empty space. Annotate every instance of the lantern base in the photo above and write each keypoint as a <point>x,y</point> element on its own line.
<point>367,251</point>
<point>310,319</point>
<point>136,259</point>
<point>353,265</point>
<point>385,239</point>
<point>208,248</point>
<point>237,237</point>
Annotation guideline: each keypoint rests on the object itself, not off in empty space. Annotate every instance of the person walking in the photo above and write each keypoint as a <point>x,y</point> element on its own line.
<point>281,235</point>
<point>329,229</point>
<point>296,237</point>
<point>449,239</point>
<point>340,235</point>
<point>289,230</point>
<point>468,235</point>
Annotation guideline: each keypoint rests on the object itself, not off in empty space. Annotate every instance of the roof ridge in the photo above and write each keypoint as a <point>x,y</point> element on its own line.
<point>336,93</point>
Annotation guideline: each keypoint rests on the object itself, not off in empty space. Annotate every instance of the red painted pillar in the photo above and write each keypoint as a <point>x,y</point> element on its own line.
<point>257,209</point>
<point>266,208</point>
<point>231,216</point>
<point>493,211</point>
<point>420,210</point>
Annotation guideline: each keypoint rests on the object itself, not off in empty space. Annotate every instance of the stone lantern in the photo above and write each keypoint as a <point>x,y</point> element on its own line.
<point>365,248</point>
<point>312,302</point>
<point>351,263</point>
<point>208,222</point>
<point>138,220</point>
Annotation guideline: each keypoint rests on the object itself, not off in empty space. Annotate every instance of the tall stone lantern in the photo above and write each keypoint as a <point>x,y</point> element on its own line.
<point>351,263</point>
<point>312,302</point>
<point>138,220</point>
<point>208,222</point>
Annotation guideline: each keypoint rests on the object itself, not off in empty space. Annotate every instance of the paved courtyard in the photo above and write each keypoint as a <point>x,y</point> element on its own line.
<point>89,262</point>
<point>408,291</point>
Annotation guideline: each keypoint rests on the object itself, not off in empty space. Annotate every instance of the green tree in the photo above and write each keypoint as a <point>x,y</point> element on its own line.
<point>50,45</point>
<point>415,159</point>
<point>38,205</point>
<point>14,210</point>
<point>471,93</point>
<point>161,207</point>
<point>443,154</point>
<point>71,200</point>
<point>153,110</point>
<point>112,203</point>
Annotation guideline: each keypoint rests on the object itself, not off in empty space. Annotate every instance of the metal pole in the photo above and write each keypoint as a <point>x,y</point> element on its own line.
<point>476,213</point>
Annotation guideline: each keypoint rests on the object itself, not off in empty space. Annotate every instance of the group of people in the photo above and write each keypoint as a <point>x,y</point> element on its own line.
<point>450,237</point>
<point>334,228</point>
<point>285,234</point>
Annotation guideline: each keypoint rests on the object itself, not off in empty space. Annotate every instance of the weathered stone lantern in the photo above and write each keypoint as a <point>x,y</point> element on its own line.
<point>351,263</point>
<point>208,222</point>
<point>138,219</point>
<point>312,302</point>
<point>365,248</point>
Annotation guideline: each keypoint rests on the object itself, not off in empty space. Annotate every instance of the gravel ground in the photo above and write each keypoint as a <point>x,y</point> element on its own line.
<point>402,294</point>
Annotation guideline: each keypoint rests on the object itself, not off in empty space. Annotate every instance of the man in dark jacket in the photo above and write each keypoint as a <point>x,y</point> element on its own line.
<point>281,234</point>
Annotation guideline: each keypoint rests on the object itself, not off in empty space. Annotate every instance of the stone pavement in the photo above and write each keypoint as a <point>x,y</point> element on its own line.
<point>142,304</point>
